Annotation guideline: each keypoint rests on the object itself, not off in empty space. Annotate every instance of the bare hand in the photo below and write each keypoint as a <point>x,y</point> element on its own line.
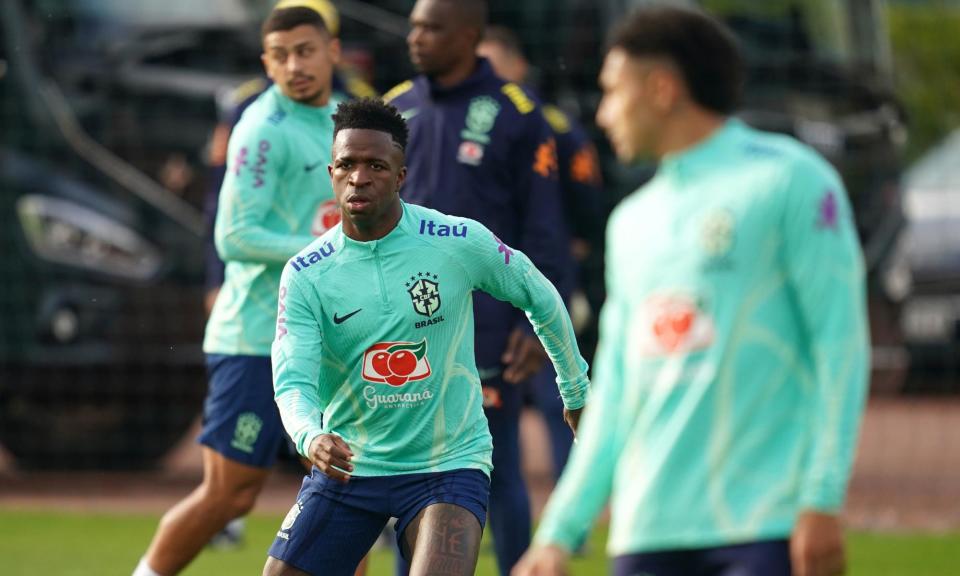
<point>524,357</point>
<point>331,455</point>
<point>542,561</point>
<point>816,546</point>
<point>572,418</point>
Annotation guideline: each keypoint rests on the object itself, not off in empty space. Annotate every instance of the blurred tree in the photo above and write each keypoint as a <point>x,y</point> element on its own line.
<point>926,51</point>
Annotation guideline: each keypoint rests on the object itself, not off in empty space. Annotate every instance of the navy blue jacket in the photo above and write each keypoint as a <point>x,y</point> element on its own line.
<point>483,150</point>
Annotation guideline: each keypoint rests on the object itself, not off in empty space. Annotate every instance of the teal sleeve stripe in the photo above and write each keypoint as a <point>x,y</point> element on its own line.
<point>253,181</point>
<point>826,270</point>
<point>588,477</point>
<point>296,363</point>
<point>508,274</point>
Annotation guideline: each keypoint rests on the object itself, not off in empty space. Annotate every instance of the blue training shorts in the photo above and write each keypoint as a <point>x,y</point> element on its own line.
<point>240,419</point>
<point>761,558</point>
<point>332,525</point>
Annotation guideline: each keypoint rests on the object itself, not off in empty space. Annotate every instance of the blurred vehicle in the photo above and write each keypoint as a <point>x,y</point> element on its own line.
<point>104,106</point>
<point>924,273</point>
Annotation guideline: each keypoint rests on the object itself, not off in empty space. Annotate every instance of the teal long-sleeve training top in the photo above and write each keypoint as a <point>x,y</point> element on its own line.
<point>733,359</point>
<point>375,342</point>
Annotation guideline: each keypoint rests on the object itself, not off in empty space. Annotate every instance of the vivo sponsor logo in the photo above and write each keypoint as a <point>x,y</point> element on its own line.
<point>305,261</point>
<point>396,399</point>
<point>282,314</point>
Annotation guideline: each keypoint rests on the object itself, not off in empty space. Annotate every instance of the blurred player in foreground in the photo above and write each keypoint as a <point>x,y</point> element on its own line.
<point>272,191</point>
<point>733,360</point>
<point>374,365</point>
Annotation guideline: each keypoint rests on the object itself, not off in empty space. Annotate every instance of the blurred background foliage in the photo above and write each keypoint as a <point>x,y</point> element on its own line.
<point>925,38</point>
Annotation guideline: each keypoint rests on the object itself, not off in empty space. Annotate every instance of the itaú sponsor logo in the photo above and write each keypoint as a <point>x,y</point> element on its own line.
<point>396,363</point>
<point>674,324</point>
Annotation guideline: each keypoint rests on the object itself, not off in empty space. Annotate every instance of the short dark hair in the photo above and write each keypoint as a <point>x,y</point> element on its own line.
<point>472,12</point>
<point>284,19</point>
<point>702,48</point>
<point>505,37</point>
<point>371,114</point>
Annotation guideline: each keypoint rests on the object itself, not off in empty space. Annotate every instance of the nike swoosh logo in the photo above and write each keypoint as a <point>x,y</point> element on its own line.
<point>342,319</point>
<point>311,167</point>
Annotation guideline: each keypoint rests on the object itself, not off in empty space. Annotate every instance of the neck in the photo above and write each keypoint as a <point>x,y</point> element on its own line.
<point>457,73</point>
<point>368,231</point>
<point>688,126</point>
<point>320,99</point>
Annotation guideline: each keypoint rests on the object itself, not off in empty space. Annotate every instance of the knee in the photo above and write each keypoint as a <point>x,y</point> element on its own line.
<point>231,501</point>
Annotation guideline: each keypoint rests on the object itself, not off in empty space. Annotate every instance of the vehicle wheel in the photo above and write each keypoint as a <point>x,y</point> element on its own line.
<point>97,418</point>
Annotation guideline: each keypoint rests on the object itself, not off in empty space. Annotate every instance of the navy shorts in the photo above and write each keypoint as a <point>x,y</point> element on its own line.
<point>763,558</point>
<point>332,525</point>
<point>240,419</point>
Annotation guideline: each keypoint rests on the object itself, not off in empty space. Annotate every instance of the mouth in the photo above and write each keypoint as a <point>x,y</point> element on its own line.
<point>357,203</point>
<point>299,83</point>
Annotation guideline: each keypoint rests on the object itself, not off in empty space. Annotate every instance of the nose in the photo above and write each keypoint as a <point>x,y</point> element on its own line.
<point>293,63</point>
<point>413,36</point>
<point>360,176</point>
<point>602,113</point>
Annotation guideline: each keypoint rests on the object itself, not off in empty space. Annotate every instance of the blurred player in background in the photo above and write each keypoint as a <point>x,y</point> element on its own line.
<point>374,365</point>
<point>733,360</point>
<point>268,208</point>
<point>480,148</point>
<point>346,84</point>
<point>580,188</point>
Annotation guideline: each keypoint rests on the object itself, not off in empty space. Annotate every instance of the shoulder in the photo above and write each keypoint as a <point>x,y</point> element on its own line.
<point>784,154</point>
<point>264,118</point>
<point>557,119</point>
<point>445,232</point>
<point>521,100</point>
<point>399,93</point>
<point>234,99</point>
<point>318,257</point>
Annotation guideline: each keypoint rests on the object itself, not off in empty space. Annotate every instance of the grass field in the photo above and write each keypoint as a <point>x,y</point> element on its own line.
<point>73,544</point>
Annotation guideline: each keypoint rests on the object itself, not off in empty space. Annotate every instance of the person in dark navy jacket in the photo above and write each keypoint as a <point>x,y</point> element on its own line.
<point>481,148</point>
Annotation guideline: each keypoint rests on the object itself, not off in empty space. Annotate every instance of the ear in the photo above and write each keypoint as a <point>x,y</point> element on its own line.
<point>667,88</point>
<point>334,50</point>
<point>266,65</point>
<point>401,177</point>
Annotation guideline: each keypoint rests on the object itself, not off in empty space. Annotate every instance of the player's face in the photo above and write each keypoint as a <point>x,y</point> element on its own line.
<point>367,172</point>
<point>437,40</point>
<point>301,62</point>
<point>626,112</point>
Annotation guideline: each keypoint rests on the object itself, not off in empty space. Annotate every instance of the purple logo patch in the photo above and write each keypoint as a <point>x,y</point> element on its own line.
<point>507,252</point>
<point>828,211</point>
<point>240,161</point>
<point>261,162</point>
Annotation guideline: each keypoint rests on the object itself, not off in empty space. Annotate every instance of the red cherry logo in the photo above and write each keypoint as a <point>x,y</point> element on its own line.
<point>395,380</point>
<point>380,362</point>
<point>402,363</point>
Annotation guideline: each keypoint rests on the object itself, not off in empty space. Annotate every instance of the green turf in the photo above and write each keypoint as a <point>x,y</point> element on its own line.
<point>73,544</point>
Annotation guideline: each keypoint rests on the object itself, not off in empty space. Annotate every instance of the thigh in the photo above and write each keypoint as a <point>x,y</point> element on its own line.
<point>443,540</point>
<point>413,493</point>
<point>665,563</point>
<point>764,558</point>
<point>240,417</point>
<point>328,530</point>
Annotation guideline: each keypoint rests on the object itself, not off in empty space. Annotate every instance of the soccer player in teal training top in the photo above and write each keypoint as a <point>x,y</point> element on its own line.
<point>733,357</point>
<point>374,369</point>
